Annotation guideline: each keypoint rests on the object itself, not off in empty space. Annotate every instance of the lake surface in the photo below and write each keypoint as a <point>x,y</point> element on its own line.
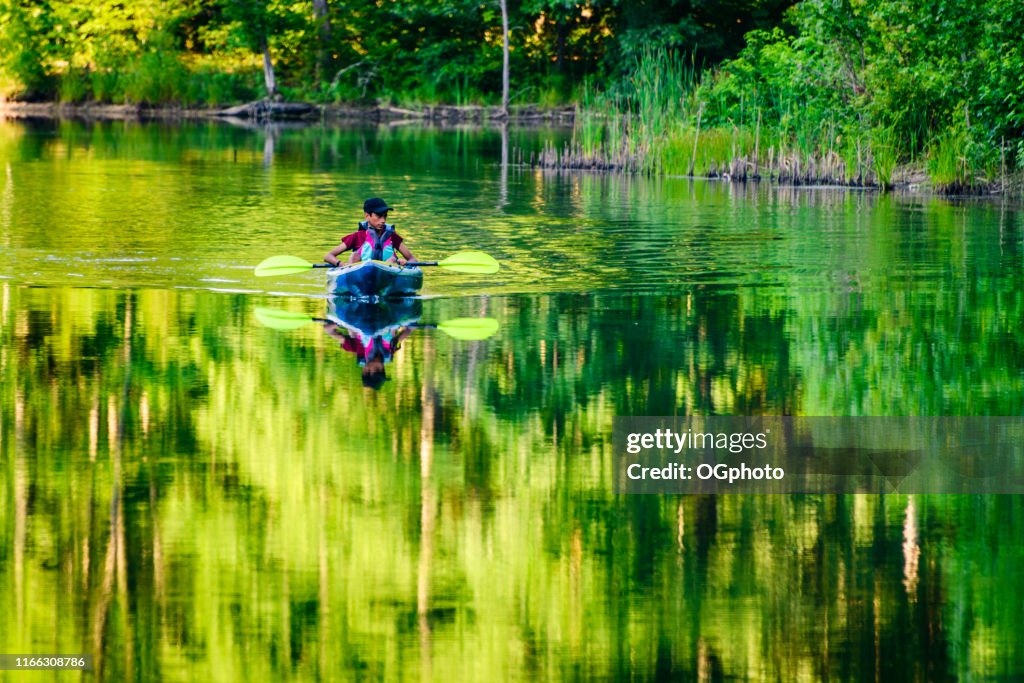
<point>187,494</point>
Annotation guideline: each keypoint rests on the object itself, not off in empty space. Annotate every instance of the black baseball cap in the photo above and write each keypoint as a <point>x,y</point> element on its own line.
<point>375,205</point>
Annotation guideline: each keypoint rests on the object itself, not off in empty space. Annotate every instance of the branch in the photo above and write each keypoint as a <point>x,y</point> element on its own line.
<point>342,72</point>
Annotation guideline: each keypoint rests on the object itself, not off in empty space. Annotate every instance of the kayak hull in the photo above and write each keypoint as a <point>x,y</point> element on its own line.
<point>374,280</point>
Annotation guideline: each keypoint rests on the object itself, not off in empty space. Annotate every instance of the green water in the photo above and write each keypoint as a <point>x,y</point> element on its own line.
<point>189,495</point>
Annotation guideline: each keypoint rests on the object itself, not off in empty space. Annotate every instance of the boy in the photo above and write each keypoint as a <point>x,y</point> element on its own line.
<point>375,239</point>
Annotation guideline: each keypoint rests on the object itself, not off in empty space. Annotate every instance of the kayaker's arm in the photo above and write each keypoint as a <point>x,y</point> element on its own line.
<point>331,257</point>
<point>337,332</point>
<point>404,251</point>
<point>397,341</point>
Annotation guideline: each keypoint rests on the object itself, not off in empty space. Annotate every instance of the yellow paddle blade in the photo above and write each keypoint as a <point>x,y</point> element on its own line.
<point>281,320</point>
<point>469,329</point>
<point>282,265</point>
<point>470,262</point>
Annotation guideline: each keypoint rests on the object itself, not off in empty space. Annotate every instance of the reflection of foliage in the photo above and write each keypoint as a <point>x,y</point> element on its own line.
<point>218,500</point>
<point>225,501</point>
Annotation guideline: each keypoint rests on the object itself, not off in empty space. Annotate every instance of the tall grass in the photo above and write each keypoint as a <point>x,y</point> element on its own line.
<point>73,86</point>
<point>157,76</point>
<point>884,156</point>
<point>672,119</point>
<point>947,162</point>
<point>588,127</point>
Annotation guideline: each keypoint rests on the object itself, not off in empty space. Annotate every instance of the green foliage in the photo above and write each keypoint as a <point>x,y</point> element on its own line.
<point>914,72</point>
<point>884,154</point>
<point>872,83</point>
<point>106,85</point>
<point>947,161</point>
<point>73,86</point>
<point>855,89</point>
<point>157,76</point>
<point>23,50</point>
<point>711,30</point>
<point>215,87</point>
<point>550,95</point>
<point>434,50</point>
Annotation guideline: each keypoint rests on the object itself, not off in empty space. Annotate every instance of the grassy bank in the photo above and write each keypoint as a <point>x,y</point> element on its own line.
<point>677,120</point>
<point>621,141</point>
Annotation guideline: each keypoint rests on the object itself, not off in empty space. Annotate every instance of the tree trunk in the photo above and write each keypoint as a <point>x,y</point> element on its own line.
<point>503,178</point>
<point>504,59</point>
<point>561,31</point>
<point>323,50</point>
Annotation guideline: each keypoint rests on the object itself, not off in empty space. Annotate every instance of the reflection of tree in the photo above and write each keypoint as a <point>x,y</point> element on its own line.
<point>428,514</point>
<point>246,510</point>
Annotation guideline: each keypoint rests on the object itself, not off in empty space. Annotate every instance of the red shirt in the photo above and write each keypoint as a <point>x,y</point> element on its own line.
<point>355,346</point>
<point>355,241</point>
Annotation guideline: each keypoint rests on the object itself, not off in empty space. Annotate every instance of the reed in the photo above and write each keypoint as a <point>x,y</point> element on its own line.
<point>884,156</point>
<point>157,76</point>
<point>674,120</point>
<point>589,124</point>
<point>73,86</point>
<point>947,163</point>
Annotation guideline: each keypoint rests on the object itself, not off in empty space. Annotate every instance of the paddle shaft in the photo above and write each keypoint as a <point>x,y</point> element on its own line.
<point>407,264</point>
<point>462,262</point>
<point>466,329</point>
<point>411,326</point>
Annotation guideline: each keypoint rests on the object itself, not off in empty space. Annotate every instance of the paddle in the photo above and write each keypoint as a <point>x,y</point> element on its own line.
<point>286,265</point>
<point>462,262</point>
<point>465,329</point>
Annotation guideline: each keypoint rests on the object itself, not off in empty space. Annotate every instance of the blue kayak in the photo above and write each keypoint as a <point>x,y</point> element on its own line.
<point>374,280</point>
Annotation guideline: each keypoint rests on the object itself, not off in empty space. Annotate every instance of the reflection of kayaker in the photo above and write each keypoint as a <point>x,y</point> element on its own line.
<point>371,352</point>
<point>374,316</point>
<point>374,331</point>
<point>371,331</point>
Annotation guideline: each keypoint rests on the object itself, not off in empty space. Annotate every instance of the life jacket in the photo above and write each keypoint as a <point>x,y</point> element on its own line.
<point>377,247</point>
<point>380,344</point>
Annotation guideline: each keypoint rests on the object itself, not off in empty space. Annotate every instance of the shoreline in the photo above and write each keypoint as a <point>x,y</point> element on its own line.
<point>785,171</point>
<point>282,112</point>
<point>906,179</point>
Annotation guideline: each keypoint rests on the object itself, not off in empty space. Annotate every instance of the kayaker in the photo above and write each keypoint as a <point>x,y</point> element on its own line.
<point>375,238</point>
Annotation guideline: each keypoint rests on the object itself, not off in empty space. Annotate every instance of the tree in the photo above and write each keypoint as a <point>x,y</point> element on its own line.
<point>256,21</point>
<point>504,57</point>
<point>321,17</point>
<point>23,47</point>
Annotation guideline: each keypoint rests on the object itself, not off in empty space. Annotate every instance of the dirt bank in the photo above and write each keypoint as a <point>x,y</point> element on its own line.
<point>289,111</point>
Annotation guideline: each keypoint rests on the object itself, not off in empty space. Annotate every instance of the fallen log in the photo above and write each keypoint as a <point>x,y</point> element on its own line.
<point>267,110</point>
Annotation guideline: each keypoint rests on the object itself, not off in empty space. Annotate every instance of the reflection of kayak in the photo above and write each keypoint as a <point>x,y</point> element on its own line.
<point>372,319</point>
<point>368,279</point>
